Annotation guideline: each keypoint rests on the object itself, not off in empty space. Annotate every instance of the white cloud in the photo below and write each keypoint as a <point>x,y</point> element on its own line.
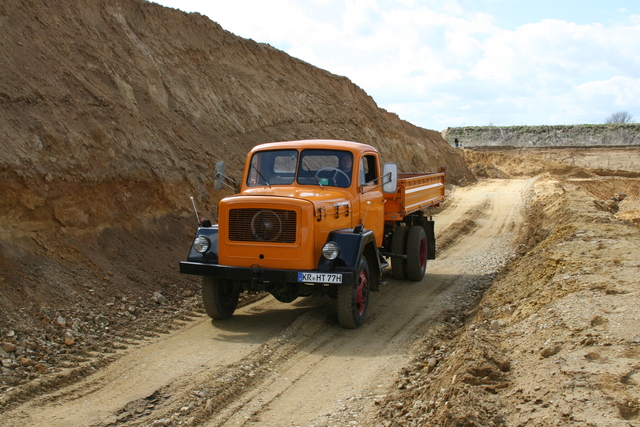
<point>441,63</point>
<point>361,18</point>
<point>623,91</point>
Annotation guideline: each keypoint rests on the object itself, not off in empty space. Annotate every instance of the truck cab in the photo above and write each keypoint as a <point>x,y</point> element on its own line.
<point>308,219</point>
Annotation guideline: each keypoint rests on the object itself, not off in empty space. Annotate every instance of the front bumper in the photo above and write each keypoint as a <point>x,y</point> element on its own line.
<point>257,274</point>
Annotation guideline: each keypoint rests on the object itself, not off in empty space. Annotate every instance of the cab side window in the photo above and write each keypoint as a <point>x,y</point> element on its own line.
<point>368,171</point>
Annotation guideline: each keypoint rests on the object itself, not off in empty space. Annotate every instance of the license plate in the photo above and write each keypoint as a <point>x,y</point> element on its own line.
<point>320,277</point>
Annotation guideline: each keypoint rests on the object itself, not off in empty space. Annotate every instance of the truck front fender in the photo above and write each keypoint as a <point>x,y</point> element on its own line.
<point>211,255</point>
<point>352,246</point>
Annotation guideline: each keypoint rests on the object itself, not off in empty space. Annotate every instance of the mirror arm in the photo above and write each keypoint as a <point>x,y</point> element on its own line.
<point>236,185</point>
<point>377,186</point>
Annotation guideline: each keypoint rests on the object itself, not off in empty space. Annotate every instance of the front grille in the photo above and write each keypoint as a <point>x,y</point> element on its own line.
<point>262,225</point>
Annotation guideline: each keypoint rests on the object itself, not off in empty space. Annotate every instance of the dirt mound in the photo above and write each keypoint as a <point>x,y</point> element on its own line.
<point>492,164</point>
<point>112,113</point>
<point>629,209</point>
<point>605,174</point>
<point>576,162</point>
<point>558,328</point>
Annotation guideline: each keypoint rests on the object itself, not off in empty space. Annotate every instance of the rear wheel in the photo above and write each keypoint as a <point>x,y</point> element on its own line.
<point>219,297</point>
<point>353,300</point>
<point>399,246</point>
<point>416,253</point>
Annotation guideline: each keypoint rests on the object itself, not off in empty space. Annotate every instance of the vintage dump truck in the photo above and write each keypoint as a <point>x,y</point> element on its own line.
<point>315,218</point>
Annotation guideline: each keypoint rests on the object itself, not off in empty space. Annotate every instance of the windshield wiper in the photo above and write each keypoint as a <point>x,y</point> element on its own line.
<point>311,172</point>
<point>261,176</point>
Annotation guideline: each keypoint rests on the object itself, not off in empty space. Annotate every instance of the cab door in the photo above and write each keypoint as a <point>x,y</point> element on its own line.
<point>370,195</point>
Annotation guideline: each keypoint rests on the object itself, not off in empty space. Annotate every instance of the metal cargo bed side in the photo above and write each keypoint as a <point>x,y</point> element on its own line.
<point>416,191</point>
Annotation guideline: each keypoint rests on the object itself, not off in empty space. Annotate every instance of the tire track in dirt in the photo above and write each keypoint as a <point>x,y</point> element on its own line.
<point>285,364</point>
<point>334,364</point>
<point>494,210</point>
<point>144,370</point>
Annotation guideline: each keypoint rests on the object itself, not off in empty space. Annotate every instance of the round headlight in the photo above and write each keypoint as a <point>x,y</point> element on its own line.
<point>201,244</point>
<point>331,250</point>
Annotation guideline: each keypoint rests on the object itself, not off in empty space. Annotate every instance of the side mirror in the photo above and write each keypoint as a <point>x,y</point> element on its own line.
<point>389,177</point>
<point>218,178</point>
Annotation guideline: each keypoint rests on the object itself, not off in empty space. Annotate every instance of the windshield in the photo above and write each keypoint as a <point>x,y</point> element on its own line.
<point>325,167</point>
<point>316,167</point>
<point>277,167</point>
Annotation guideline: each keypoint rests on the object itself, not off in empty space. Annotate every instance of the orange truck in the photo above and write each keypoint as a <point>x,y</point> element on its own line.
<point>315,218</point>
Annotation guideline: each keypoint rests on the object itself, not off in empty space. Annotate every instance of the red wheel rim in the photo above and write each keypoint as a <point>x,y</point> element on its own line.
<point>362,291</point>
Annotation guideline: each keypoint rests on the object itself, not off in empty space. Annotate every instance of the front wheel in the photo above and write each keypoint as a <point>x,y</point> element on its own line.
<point>416,253</point>
<point>220,298</point>
<point>353,300</point>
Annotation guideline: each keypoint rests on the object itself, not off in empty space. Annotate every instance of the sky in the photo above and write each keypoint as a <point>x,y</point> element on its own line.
<point>449,63</point>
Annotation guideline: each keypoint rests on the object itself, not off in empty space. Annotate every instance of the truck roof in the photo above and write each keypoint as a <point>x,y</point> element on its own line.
<point>317,143</point>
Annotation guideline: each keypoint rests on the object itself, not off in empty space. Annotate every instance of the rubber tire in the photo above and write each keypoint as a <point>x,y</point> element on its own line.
<point>399,246</point>
<point>416,253</point>
<point>353,300</point>
<point>219,298</point>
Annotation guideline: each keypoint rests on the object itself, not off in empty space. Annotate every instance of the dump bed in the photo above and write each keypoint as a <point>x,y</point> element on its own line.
<point>416,191</point>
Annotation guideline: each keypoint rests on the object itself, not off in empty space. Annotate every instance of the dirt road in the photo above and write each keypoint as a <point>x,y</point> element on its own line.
<point>290,364</point>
